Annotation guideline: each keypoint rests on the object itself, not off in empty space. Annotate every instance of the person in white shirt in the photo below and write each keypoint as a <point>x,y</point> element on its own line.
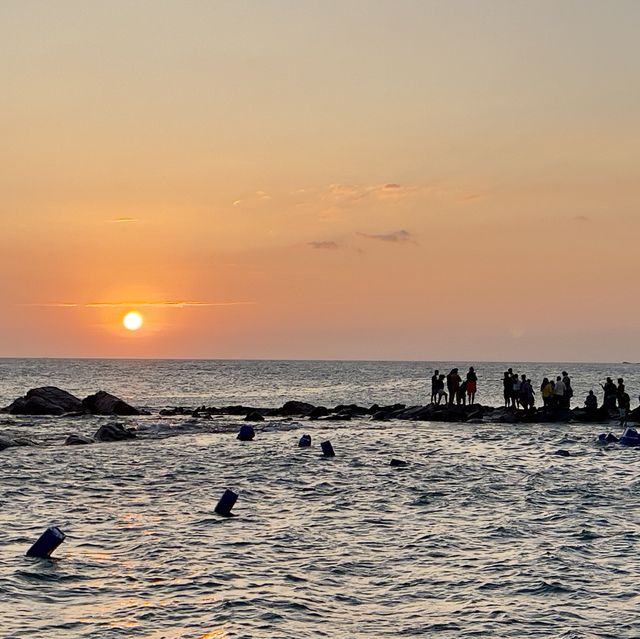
<point>558,391</point>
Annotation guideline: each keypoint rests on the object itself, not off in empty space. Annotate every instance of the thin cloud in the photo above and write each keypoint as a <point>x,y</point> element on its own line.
<point>124,220</point>
<point>145,304</point>
<point>582,218</point>
<point>397,237</point>
<point>324,244</point>
<point>258,196</point>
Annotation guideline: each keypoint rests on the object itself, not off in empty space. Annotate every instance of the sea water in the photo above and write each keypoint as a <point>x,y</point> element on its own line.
<point>485,533</point>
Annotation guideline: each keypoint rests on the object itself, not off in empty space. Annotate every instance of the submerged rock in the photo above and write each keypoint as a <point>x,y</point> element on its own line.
<point>114,432</point>
<point>75,440</point>
<point>254,416</point>
<point>46,400</point>
<point>103,403</point>
<point>8,441</point>
<point>294,408</point>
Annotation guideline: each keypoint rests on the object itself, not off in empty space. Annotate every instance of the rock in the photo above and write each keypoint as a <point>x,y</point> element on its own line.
<point>351,409</point>
<point>8,441</point>
<point>75,440</point>
<point>562,453</point>
<point>46,400</point>
<point>318,411</point>
<point>297,409</point>
<point>173,412</point>
<point>103,403</point>
<point>398,463</point>
<point>254,416</point>
<point>114,432</point>
<point>237,410</point>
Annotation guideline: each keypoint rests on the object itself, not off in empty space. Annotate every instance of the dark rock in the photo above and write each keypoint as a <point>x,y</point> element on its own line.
<point>398,463</point>
<point>381,416</point>
<point>178,410</point>
<point>46,400</point>
<point>246,433</point>
<point>254,416</point>
<point>351,409</point>
<point>103,403</point>
<point>562,453</point>
<point>318,411</point>
<point>114,433</point>
<point>297,409</point>
<point>236,410</point>
<point>8,441</point>
<point>607,438</point>
<point>76,440</point>
<point>340,417</point>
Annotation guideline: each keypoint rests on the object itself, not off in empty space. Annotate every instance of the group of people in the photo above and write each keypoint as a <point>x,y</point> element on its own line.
<point>458,390</point>
<point>519,392</point>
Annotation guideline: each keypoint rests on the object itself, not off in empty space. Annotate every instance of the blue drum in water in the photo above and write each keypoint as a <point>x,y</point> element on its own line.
<point>630,437</point>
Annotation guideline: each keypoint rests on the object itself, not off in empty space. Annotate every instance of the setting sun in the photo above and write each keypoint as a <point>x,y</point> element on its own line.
<point>132,321</point>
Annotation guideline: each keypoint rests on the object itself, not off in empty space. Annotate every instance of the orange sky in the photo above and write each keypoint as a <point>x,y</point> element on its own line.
<point>412,180</point>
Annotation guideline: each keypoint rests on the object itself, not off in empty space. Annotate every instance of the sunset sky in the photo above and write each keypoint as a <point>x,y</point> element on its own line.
<point>437,180</point>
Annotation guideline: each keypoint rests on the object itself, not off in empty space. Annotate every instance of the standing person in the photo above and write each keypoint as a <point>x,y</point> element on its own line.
<point>546,390</point>
<point>528,396</point>
<point>624,404</point>
<point>568,390</point>
<point>620,390</point>
<point>461,397</point>
<point>472,384</point>
<point>507,387</point>
<point>434,386</point>
<point>558,392</point>
<point>609,389</point>
<point>453,384</point>
<point>440,392</point>
<point>515,390</point>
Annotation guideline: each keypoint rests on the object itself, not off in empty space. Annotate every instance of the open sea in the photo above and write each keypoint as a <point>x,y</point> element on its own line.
<point>486,533</point>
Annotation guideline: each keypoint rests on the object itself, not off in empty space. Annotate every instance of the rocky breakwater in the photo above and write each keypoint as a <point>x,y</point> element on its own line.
<point>426,412</point>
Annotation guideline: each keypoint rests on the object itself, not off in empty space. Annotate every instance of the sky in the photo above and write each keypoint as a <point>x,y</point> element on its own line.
<point>424,180</point>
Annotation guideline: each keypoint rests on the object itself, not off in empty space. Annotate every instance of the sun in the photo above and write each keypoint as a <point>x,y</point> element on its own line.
<point>132,321</point>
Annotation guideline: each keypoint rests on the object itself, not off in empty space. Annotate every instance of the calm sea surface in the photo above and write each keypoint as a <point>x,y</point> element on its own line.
<point>486,533</point>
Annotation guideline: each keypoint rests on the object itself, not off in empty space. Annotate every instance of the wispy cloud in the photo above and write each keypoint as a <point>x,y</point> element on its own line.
<point>356,192</point>
<point>124,220</point>
<point>258,196</point>
<point>582,218</point>
<point>398,237</point>
<point>139,304</point>
<point>324,244</point>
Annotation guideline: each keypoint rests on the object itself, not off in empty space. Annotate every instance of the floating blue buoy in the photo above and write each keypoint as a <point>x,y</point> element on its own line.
<point>305,441</point>
<point>50,539</point>
<point>246,433</point>
<point>327,449</point>
<point>226,503</point>
<point>630,437</point>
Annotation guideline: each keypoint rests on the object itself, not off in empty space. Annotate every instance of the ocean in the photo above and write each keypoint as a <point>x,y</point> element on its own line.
<point>485,533</point>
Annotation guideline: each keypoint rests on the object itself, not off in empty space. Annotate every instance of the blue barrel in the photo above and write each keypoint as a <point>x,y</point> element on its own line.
<point>226,503</point>
<point>327,449</point>
<point>246,433</point>
<point>305,441</point>
<point>630,437</point>
<point>49,540</point>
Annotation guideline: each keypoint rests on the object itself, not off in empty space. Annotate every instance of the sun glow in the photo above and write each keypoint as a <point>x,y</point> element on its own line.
<point>132,321</point>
